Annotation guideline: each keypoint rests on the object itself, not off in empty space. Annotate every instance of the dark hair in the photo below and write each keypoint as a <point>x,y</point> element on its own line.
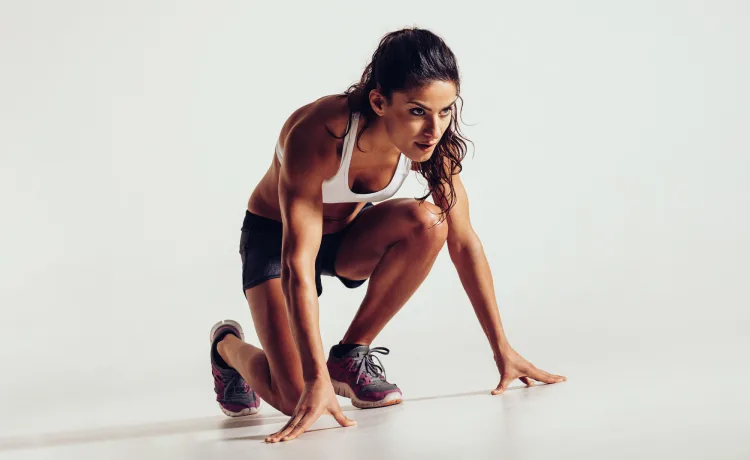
<point>406,59</point>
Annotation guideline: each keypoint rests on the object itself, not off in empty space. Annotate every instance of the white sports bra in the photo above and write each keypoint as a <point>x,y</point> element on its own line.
<point>336,189</point>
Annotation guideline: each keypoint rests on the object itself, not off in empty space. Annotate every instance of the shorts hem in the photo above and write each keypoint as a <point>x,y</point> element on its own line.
<point>351,284</point>
<point>246,286</point>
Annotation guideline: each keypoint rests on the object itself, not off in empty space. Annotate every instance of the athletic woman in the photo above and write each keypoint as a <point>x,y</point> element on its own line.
<point>323,208</point>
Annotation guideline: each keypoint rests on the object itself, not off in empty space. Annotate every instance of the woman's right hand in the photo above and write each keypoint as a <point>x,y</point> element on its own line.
<point>317,398</point>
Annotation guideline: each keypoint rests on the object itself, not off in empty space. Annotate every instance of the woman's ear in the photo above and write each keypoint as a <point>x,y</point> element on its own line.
<point>377,102</point>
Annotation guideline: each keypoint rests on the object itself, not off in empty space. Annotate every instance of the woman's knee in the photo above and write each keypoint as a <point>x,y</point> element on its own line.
<point>287,396</point>
<point>288,404</point>
<point>426,222</point>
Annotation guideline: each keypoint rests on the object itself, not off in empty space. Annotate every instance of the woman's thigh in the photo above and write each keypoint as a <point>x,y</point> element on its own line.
<point>381,226</point>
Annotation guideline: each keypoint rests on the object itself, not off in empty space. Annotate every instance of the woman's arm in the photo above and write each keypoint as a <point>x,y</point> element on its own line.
<point>467,254</point>
<point>301,203</point>
<point>306,163</point>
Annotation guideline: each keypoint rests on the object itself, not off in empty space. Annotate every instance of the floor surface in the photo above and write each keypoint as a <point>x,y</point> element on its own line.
<point>612,418</point>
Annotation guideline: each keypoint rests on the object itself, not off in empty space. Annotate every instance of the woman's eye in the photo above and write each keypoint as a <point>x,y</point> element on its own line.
<point>419,112</point>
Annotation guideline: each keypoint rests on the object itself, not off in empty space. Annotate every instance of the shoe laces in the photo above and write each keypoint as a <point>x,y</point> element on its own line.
<point>365,365</point>
<point>239,385</point>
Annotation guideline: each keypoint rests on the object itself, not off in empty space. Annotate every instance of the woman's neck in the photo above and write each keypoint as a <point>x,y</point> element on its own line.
<point>375,140</point>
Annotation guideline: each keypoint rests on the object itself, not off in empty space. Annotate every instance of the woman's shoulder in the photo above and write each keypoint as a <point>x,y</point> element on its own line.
<point>317,121</point>
<point>312,137</point>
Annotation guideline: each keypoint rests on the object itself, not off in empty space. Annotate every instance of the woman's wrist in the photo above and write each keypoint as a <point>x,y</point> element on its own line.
<point>501,348</point>
<point>315,370</point>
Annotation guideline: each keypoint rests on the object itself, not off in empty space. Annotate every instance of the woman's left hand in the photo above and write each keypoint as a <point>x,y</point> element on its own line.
<point>513,366</point>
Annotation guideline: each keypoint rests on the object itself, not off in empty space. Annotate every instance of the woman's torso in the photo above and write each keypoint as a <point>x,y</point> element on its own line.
<point>367,174</point>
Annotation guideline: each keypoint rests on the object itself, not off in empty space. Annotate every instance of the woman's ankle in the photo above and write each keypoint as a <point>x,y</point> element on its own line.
<point>225,347</point>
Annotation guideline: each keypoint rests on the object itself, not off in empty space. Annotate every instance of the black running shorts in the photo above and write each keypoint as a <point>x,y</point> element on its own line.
<point>260,250</point>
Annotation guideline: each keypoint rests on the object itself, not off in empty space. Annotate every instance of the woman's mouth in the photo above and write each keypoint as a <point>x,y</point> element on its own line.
<point>426,147</point>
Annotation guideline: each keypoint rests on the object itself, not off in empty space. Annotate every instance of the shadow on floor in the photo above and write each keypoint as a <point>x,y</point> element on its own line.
<point>44,440</point>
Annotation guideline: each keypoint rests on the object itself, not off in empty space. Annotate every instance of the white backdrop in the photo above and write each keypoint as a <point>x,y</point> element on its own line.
<point>608,185</point>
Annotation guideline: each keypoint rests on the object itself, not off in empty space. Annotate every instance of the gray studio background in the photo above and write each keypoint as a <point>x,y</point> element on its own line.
<point>608,185</point>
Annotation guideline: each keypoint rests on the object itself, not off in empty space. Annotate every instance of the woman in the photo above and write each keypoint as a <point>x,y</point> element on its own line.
<point>312,214</point>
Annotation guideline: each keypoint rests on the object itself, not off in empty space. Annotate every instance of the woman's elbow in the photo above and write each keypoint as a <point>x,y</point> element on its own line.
<point>468,243</point>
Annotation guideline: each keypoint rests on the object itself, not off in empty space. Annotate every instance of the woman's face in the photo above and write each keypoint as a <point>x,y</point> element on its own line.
<point>415,120</point>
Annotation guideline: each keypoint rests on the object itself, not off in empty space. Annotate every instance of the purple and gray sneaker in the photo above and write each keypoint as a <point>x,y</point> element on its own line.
<point>356,376</point>
<point>234,395</point>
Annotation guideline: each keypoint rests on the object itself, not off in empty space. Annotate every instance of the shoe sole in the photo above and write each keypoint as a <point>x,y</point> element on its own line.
<point>211,335</point>
<point>242,413</point>
<point>343,389</point>
<point>226,322</point>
